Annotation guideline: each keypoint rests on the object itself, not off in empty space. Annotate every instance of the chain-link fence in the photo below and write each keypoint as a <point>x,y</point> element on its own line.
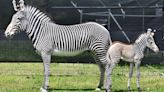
<point>133,22</point>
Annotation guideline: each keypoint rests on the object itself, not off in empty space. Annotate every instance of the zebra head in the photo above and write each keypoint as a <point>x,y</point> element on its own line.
<point>18,22</point>
<point>150,42</point>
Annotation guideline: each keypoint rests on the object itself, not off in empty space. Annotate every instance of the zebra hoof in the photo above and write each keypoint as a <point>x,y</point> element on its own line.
<point>107,90</point>
<point>139,89</point>
<point>97,89</point>
<point>43,90</point>
<point>128,89</point>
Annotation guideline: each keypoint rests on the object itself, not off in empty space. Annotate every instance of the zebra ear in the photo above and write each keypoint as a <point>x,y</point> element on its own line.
<point>15,5</point>
<point>18,7</point>
<point>21,4</point>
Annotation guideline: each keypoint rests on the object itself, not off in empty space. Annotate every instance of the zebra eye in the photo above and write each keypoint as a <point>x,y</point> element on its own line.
<point>19,18</point>
<point>151,42</point>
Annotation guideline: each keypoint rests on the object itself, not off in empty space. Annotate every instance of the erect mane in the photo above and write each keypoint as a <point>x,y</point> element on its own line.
<point>36,11</point>
<point>139,37</point>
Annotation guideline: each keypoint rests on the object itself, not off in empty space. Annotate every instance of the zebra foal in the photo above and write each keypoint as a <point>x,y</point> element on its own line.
<point>50,39</point>
<point>132,53</point>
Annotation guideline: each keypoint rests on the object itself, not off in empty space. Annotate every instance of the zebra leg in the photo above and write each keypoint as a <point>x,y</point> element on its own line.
<point>100,50</point>
<point>138,75</point>
<point>102,73</point>
<point>130,75</point>
<point>109,69</point>
<point>46,63</point>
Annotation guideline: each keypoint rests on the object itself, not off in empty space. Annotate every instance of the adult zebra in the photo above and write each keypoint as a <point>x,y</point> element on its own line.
<point>49,38</point>
<point>132,53</point>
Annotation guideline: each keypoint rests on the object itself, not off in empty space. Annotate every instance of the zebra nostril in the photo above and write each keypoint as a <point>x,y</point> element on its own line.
<point>156,50</point>
<point>7,34</point>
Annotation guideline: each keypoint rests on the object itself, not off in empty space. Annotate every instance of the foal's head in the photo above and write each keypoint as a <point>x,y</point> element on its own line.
<point>148,39</point>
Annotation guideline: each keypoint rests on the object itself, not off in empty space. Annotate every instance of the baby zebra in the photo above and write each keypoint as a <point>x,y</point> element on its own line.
<point>132,53</point>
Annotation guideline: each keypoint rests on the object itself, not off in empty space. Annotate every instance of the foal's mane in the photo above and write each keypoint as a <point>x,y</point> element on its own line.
<point>139,37</point>
<point>129,43</point>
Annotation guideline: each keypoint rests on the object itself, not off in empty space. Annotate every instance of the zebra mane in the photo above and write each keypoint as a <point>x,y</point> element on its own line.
<point>29,8</point>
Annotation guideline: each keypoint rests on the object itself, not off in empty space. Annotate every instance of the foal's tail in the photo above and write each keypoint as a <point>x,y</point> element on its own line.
<point>109,60</point>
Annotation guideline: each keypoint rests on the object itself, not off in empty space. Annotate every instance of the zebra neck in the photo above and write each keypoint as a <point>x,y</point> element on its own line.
<point>34,33</point>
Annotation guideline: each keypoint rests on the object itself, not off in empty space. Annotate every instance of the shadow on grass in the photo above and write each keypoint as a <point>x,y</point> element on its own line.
<point>92,90</point>
<point>132,90</point>
<point>73,90</point>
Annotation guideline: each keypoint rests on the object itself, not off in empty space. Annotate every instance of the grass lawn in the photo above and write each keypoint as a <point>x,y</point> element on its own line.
<point>28,77</point>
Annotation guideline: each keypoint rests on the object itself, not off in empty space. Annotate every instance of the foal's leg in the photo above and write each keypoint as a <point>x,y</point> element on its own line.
<point>137,64</point>
<point>46,62</point>
<point>130,75</point>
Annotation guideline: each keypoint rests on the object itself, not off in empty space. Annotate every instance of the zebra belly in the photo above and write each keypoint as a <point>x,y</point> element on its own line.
<point>66,53</point>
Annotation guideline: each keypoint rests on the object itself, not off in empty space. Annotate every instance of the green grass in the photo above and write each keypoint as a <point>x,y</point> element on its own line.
<point>28,77</point>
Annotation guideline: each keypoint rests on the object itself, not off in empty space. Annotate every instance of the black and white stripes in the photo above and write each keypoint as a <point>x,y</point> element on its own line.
<point>46,35</point>
<point>49,38</point>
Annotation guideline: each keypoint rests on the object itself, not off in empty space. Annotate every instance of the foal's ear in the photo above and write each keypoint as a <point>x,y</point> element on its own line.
<point>152,33</point>
<point>149,31</point>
